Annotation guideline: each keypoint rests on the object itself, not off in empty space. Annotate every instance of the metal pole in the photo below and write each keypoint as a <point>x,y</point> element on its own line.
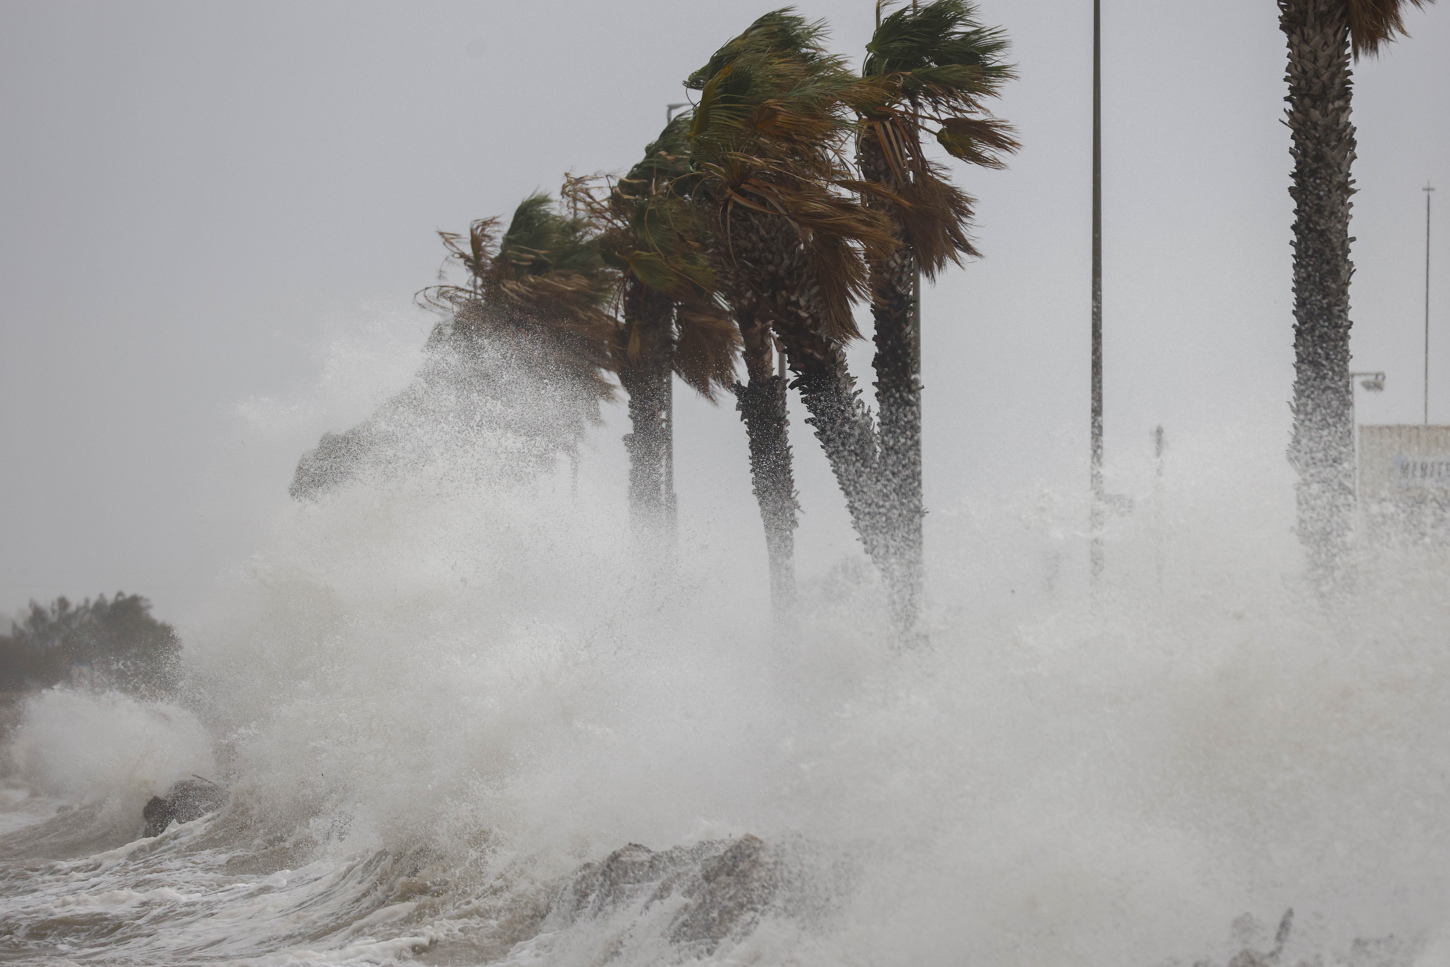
<point>1160,517</point>
<point>1376,383</point>
<point>1428,190</point>
<point>1354,428</point>
<point>668,470</point>
<point>1097,510</point>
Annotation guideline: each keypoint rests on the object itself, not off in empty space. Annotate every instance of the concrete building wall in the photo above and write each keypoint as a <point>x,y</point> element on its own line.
<point>1404,478</point>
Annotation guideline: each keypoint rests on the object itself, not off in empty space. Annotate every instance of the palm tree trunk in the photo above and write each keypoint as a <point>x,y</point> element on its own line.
<point>894,290</point>
<point>762,406</point>
<point>845,430</point>
<point>646,377</point>
<point>1323,147</point>
<point>842,423</point>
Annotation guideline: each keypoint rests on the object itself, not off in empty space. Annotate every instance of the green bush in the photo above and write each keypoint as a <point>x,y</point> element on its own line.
<point>110,642</point>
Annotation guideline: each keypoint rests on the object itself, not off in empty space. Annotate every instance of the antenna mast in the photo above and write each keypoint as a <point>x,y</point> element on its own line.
<point>1427,189</point>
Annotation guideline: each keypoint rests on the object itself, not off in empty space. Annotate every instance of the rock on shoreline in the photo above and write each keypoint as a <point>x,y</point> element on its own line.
<point>187,800</point>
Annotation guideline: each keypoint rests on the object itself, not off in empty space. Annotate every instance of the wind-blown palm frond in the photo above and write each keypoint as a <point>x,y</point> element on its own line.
<point>768,137</point>
<point>780,31</point>
<point>654,237</point>
<point>938,53</point>
<point>543,276</point>
<point>931,69</point>
<point>1373,23</point>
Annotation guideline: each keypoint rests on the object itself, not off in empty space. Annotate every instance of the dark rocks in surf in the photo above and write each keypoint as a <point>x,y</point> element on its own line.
<point>187,800</point>
<point>621,878</point>
<point>725,886</point>
<point>728,896</point>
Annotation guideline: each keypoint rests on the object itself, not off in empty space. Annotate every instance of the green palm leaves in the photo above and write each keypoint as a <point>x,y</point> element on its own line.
<point>542,280</point>
<point>931,70</point>
<point>804,235</point>
<point>768,140</point>
<point>653,235</point>
<point>753,226</point>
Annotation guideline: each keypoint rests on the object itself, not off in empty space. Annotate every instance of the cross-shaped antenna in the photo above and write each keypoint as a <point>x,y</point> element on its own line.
<point>670,110</point>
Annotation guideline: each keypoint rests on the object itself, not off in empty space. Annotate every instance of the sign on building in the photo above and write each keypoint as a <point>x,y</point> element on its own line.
<point>1404,476</point>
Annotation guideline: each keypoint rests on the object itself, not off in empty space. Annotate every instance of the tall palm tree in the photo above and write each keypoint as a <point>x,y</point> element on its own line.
<point>928,68</point>
<point>1322,36</point>
<point>673,322</point>
<point>792,243</point>
<point>660,236</point>
<point>677,238</point>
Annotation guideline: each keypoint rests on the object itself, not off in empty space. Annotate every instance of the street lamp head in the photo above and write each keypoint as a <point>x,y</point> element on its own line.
<point>1374,382</point>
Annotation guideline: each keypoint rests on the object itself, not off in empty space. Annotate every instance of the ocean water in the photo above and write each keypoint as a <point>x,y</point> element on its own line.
<point>440,699</point>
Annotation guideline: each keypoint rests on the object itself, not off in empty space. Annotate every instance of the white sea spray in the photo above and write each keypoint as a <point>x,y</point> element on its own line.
<point>435,695</point>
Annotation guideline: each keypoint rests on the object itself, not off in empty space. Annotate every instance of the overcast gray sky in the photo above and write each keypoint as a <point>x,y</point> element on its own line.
<point>211,215</point>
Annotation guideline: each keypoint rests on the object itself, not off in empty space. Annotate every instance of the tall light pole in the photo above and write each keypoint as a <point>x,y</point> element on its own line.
<point>1097,509</point>
<point>1428,189</point>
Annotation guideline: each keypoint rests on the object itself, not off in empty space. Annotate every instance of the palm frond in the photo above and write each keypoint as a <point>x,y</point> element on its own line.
<point>707,344</point>
<point>769,138</point>
<point>936,216</point>
<point>939,54</point>
<point>654,237</point>
<point>980,141</point>
<point>544,276</point>
<point>780,31</point>
<point>1374,23</point>
<point>930,70</point>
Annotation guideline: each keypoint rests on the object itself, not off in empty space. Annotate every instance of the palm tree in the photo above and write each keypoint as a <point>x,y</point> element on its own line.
<point>520,358</point>
<point>929,68</point>
<point>761,401</point>
<point>681,236</point>
<point>791,244</point>
<point>646,369</point>
<point>673,322</point>
<point>658,234</point>
<point>1322,36</point>
<point>537,293</point>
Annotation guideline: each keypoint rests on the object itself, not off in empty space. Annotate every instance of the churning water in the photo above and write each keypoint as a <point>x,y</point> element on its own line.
<point>441,699</point>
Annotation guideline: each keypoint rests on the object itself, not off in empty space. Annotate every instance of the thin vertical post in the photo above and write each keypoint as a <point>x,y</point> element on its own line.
<point>1097,509</point>
<point>1354,427</point>
<point>671,505</point>
<point>1428,190</point>
<point>1160,518</point>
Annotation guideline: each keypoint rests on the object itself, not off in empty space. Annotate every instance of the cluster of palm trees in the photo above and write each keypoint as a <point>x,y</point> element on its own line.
<point>794,190</point>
